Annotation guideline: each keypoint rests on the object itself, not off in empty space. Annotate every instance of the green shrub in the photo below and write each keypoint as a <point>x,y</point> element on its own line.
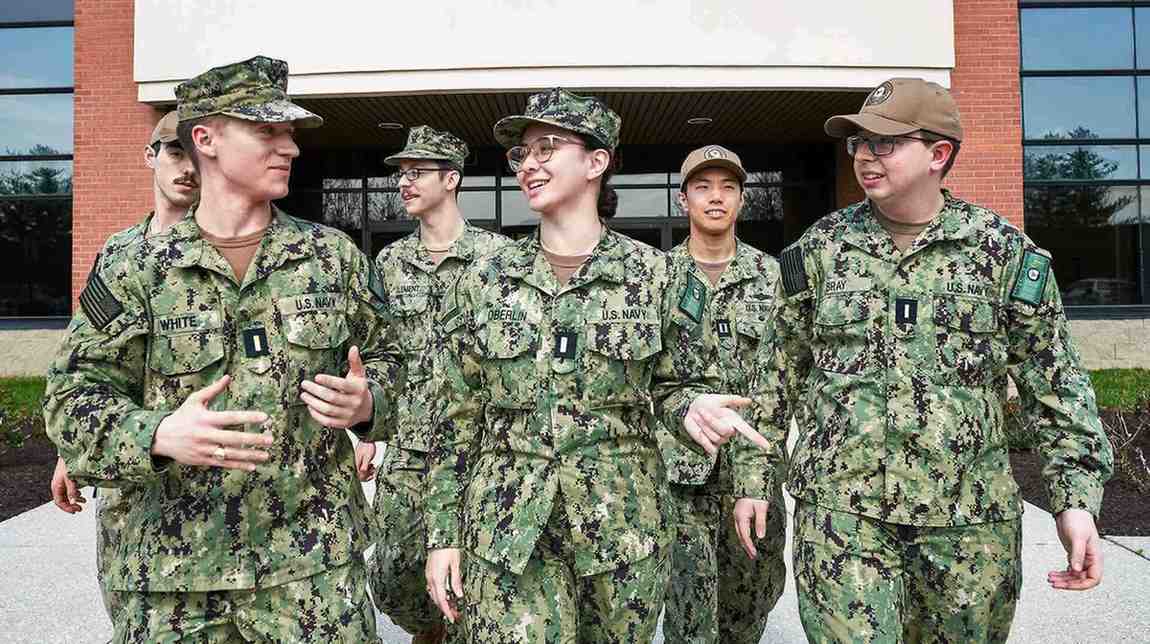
<point>1123,389</point>
<point>20,400</point>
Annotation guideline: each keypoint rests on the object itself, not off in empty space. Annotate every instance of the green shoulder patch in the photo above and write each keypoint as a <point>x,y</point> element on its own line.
<point>1030,283</point>
<point>100,306</point>
<point>693,297</point>
<point>793,270</point>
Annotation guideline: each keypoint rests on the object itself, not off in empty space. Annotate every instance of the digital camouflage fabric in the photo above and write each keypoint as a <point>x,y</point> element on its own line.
<point>896,366</point>
<point>585,115</point>
<point>171,321</point>
<point>717,593</point>
<point>253,90</point>
<point>424,142</point>
<point>416,288</point>
<point>550,392</point>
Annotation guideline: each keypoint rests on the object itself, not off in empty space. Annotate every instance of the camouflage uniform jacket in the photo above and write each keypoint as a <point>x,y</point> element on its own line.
<point>416,287</point>
<point>896,366</point>
<point>737,317</point>
<point>551,391</point>
<point>168,319</point>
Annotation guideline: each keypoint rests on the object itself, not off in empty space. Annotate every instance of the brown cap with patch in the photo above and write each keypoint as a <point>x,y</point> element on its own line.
<point>165,130</point>
<point>901,106</point>
<point>711,156</point>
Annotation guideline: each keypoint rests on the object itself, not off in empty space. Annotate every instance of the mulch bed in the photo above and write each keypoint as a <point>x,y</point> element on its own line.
<point>25,473</point>
<point>1125,508</point>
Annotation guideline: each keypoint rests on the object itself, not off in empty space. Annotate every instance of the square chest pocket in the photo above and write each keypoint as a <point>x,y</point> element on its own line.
<point>509,365</point>
<point>314,320</point>
<point>617,363</point>
<point>969,350</point>
<point>411,319</point>
<point>186,343</point>
<point>846,340</point>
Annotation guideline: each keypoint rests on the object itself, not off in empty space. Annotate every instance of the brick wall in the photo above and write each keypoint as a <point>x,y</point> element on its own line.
<point>986,85</point>
<point>112,186</point>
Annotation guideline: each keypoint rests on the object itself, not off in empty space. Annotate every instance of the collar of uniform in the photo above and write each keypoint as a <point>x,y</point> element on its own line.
<point>420,257</point>
<point>283,241</point>
<point>953,222</point>
<point>606,261</point>
<point>742,267</point>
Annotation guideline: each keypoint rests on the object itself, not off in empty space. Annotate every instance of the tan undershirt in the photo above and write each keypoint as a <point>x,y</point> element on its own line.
<point>902,233</point>
<point>239,251</point>
<point>564,266</point>
<point>714,270</point>
<point>438,255</point>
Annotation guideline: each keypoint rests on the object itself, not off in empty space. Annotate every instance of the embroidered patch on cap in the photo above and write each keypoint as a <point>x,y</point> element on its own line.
<point>880,94</point>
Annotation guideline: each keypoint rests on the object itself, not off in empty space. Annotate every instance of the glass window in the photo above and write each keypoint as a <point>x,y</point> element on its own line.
<point>36,10</point>
<point>1142,35</point>
<point>1070,38</point>
<point>332,183</point>
<point>656,178</point>
<point>477,204</point>
<point>343,210</point>
<point>1144,107</point>
<point>36,124</point>
<point>1092,233</point>
<point>385,206</point>
<point>642,202</point>
<point>1079,163</point>
<point>35,232</point>
<point>40,57</point>
<point>35,177</point>
<point>514,209</point>
<point>1078,107</point>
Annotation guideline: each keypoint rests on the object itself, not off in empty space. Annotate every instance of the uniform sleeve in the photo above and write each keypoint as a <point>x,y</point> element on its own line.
<point>456,437</point>
<point>782,363</point>
<point>93,402</point>
<point>687,367</point>
<point>1057,398</point>
<point>373,331</point>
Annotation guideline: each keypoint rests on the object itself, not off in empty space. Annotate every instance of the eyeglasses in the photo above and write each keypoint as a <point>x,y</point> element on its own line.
<point>880,146</point>
<point>541,148</point>
<point>413,174</point>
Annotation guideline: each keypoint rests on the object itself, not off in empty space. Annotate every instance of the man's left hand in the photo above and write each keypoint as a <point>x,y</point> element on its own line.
<point>340,402</point>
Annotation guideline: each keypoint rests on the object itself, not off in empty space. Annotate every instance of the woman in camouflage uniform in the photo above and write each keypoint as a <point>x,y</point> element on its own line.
<point>546,469</point>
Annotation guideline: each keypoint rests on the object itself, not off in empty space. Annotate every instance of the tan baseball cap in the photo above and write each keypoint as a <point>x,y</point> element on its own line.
<point>165,130</point>
<point>901,106</point>
<point>711,156</point>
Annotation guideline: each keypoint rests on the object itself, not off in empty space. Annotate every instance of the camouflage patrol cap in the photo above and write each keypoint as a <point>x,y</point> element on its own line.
<point>425,142</point>
<point>252,90</point>
<point>165,130</point>
<point>711,156</point>
<point>585,115</point>
<point>901,106</point>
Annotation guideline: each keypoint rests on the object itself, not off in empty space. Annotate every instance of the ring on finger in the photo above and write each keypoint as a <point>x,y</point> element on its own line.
<point>220,453</point>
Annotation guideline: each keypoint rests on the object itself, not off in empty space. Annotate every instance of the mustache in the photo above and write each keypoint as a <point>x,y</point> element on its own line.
<point>187,180</point>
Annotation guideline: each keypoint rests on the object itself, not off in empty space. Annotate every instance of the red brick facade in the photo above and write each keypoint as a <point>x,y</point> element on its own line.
<point>112,188</point>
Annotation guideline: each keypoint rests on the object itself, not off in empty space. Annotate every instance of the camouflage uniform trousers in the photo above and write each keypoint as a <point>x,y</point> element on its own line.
<point>716,592</point>
<point>549,604</point>
<point>105,500</point>
<point>864,580</point>
<point>396,570</point>
<point>332,606</point>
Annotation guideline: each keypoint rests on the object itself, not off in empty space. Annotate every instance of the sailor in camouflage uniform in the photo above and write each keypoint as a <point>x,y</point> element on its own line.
<point>717,593</point>
<point>200,386</point>
<point>546,468</point>
<point>898,322</point>
<point>417,272</point>
<point>175,188</point>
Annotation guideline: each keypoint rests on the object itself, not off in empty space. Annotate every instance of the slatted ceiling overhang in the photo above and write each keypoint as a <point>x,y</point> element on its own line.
<point>750,116</point>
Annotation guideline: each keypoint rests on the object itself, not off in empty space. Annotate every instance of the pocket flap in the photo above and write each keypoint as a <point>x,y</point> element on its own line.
<point>625,340</point>
<point>965,313</point>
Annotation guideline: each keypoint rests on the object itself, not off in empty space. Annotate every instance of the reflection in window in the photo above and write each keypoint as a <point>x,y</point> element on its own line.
<point>642,202</point>
<point>762,203</point>
<point>514,209</point>
<point>1062,107</point>
<point>35,232</point>
<point>385,206</point>
<point>1079,163</point>
<point>1092,233</point>
<point>1094,38</point>
<point>477,205</point>
<point>33,58</point>
<point>36,11</point>
<point>35,177</point>
<point>36,124</point>
<point>343,210</point>
<point>1142,35</point>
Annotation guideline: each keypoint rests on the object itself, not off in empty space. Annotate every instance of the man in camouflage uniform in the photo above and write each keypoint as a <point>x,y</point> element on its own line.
<point>180,383</point>
<point>898,322</point>
<point>545,469</point>
<point>716,592</point>
<point>175,188</point>
<point>417,272</point>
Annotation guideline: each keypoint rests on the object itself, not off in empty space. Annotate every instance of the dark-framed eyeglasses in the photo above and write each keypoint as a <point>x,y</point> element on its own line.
<point>879,146</point>
<point>413,174</point>
<point>541,148</point>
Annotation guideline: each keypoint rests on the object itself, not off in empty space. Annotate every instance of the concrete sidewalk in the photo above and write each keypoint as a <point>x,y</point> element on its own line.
<point>49,593</point>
